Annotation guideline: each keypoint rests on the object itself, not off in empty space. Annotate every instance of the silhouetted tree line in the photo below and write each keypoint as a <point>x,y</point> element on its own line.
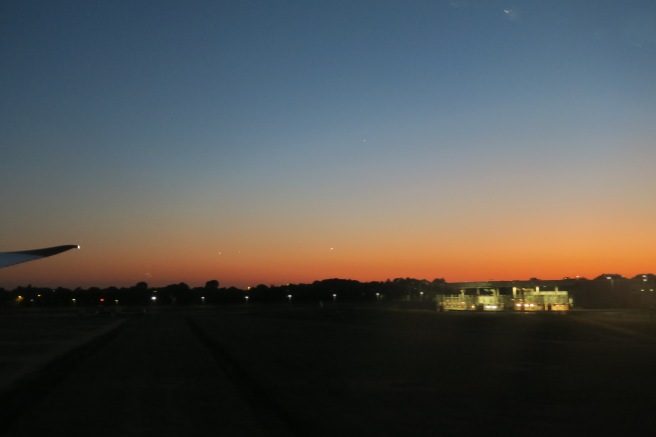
<point>605,291</point>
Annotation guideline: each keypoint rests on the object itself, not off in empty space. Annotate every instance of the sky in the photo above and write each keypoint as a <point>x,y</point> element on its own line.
<point>283,142</point>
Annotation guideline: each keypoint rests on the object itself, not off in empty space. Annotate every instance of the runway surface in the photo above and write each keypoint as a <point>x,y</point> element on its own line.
<point>330,370</point>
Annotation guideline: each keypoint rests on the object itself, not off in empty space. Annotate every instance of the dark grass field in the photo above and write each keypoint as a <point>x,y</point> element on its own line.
<point>331,370</point>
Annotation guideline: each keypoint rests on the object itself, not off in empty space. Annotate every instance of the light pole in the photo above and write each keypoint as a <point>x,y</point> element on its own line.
<point>612,283</point>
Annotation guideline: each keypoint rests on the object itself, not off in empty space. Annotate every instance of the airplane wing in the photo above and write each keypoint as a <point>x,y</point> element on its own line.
<point>11,258</point>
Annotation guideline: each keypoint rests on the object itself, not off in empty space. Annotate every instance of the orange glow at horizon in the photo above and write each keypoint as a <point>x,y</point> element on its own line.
<point>544,257</point>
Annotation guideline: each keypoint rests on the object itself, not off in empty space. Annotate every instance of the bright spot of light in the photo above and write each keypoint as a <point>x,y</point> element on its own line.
<point>511,14</point>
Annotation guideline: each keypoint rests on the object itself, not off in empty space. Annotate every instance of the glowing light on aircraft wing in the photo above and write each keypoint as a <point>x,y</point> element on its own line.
<point>11,258</point>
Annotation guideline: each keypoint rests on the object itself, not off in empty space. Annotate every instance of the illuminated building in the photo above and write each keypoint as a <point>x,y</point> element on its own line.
<point>506,296</point>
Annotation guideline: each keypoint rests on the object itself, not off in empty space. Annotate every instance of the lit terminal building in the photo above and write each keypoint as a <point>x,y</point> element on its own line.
<point>506,296</point>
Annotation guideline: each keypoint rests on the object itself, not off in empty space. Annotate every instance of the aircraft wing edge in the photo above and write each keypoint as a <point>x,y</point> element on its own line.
<point>11,258</point>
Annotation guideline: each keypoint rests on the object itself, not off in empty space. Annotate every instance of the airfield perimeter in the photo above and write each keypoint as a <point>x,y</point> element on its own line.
<point>324,371</point>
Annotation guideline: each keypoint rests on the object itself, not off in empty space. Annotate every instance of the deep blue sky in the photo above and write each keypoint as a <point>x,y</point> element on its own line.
<point>284,141</point>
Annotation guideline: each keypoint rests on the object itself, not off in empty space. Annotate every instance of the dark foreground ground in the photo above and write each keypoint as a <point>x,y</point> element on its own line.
<point>312,371</point>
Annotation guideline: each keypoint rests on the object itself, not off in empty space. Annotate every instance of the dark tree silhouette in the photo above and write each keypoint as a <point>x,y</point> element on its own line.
<point>212,285</point>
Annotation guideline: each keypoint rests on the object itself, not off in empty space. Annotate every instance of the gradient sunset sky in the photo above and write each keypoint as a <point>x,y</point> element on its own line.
<point>291,141</point>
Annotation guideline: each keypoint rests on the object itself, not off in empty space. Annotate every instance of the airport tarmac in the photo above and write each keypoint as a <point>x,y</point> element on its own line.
<point>323,371</point>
